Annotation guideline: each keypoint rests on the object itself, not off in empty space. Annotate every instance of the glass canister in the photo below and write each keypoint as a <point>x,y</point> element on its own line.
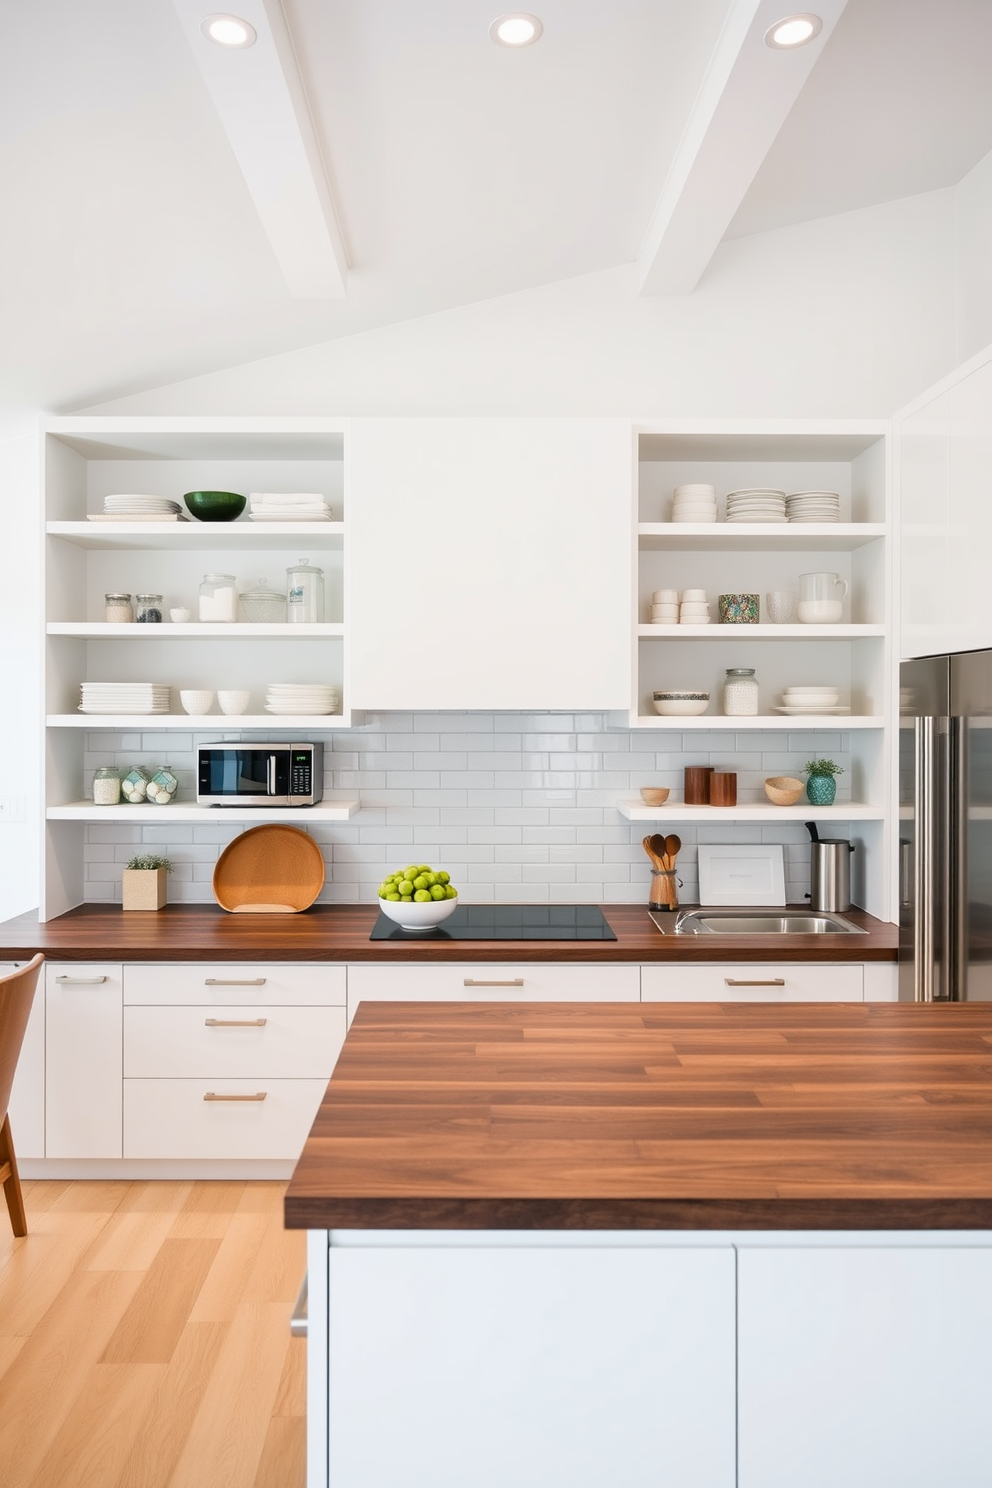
<point>305,593</point>
<point>134,785</point>
<point>148,608</point>
<point>740,692</point>
<point>162,787</point>
<point>261,605</point>
<point>218,598</point>
<point>107,786</point>
<point>117,609</point>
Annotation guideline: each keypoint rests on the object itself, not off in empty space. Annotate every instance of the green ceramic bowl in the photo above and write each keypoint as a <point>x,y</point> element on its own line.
<point>215,506</point>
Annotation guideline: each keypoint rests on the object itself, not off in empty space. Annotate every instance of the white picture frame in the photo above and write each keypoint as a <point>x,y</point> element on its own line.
<point>742,873</point>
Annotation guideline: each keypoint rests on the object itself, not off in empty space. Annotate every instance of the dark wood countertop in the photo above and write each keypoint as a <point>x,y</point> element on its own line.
<point>668,1116</point>
<point>205,932</point>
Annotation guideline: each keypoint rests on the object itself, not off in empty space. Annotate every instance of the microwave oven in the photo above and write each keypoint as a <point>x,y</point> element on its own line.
<point>240,774</point>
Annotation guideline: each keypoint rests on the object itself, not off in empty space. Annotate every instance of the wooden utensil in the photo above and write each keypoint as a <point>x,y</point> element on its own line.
<point>673,846</point>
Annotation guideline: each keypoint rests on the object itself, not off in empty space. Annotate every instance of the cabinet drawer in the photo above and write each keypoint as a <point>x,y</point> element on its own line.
<point>239,984</point>
<point>797,982</point>
<point>492,982</point>
<point>83,1019</point>
<point>172,1118</point>
<point>195,1042</point>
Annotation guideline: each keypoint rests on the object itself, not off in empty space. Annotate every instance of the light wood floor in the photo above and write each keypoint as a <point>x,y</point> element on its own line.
<point>144,1338</point>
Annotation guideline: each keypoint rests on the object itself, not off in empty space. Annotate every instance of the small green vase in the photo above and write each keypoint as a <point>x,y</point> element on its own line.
<point>821,789</point>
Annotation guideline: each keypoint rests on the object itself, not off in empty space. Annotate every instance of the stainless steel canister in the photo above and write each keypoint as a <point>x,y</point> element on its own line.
<point>830,873</point>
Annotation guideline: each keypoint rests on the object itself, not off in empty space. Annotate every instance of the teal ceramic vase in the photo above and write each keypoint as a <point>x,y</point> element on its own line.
<point>821,789</point>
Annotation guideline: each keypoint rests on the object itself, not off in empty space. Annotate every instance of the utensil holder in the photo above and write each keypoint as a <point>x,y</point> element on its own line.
<point>723,788</point>
<point>697,784</point>
<point>664,889</point>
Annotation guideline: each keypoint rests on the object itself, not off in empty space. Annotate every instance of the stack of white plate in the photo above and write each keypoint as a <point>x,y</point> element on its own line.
<point>800,700</point>
<point>124,697</point>
<point>301,697</point>
<point>694,503</point>
<point>756,504</point>
<point>812,506</point>
<point>140,506</point>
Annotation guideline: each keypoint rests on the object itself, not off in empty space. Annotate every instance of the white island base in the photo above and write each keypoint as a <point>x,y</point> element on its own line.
<point>702,1359</point>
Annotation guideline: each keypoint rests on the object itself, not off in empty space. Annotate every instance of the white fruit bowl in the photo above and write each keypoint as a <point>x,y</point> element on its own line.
<point>418,916</point>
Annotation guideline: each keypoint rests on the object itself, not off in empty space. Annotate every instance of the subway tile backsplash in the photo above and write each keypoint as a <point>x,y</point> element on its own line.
<point>518,807</point>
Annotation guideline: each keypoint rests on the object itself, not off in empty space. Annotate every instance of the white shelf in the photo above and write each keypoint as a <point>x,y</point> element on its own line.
<point>755,537</point>
<point>238,630</point>
<point>636,811</point>
<point>719,632</point>
<point>760,721</point>
<point>223,722</point>
<point>327,811</point>
<point>194,536</point>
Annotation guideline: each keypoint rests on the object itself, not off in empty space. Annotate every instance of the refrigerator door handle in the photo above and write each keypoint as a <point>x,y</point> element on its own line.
<point>925,864</point>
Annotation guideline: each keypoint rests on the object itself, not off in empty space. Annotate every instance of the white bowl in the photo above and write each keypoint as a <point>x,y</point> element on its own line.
<point>415,916</point>
<point>695,488</point>
<point>232,702</point>
<point>664,614</point>
<point>811,694</point>
<point>693,594</point>
<point>665,596</point>
<point>694,607</point>
<point>179,615</point>
<point>681,705</point>
<point>196,701</point>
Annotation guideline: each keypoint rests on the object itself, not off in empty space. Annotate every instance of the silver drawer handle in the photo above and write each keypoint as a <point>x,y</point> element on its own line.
<point>260,1096</point>
<point>771,982</point>
<point>298,1323</point>
<point>513,982</point>
<point>81,981</point>
<point>235,1022</point>
<point>219,982</point>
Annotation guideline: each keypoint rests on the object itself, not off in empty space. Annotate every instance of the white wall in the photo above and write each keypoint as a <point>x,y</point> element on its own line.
<point>973,269</point>
<point>20,671</point>
<point>848,316</point>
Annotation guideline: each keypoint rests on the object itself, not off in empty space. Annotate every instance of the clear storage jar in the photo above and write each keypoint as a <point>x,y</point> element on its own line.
<point>134,785</point>
<point>740,692</point>
<point>305,593</point>
<point>117,609</point>
<point>107,786</point>
<point>148,608</point>
<point>162,787</point>
<point>218,598</point>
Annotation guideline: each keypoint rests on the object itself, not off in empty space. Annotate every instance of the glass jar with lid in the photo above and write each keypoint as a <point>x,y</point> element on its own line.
<point>740,692</point>
<point>218,597</point>
<point>305,593</point>
<point>117,609</point>
<point>261,605</point>
<point>107,786</point>
<point>148,608</point>
<point>162,787</point>
<point>134,785</point>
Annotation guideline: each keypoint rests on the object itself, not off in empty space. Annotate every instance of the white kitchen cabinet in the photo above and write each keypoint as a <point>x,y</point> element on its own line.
<point>27,1096</point>
<point>246,1119</point>
<point>84,1008</point>
<point>491,563</point>
<point>84,460</point>
<point>531,1365</point>
<point>864,1366</point>
<point>524,981</point>
<point>752,982</point>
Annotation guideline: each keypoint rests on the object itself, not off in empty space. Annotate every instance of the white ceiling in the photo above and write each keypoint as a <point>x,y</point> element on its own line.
<point>134,253</point>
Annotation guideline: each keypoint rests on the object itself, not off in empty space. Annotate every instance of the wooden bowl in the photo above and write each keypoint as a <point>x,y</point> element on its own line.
<point>784,790</point>
<point>655,795</point>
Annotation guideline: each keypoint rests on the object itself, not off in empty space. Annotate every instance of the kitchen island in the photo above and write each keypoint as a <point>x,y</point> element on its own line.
<point>559,1246</point>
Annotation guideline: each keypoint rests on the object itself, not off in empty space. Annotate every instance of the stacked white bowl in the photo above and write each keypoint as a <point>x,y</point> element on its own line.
<point>810,699</point>
<point>695,502</point>
<point>665,607</point>
<point>694,608</point>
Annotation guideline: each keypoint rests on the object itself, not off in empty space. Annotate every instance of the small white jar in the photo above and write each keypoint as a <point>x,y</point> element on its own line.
<point>740,693</point>
<point>218,598</point>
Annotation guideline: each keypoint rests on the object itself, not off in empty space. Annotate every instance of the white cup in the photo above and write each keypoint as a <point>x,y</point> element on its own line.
<point>780,606</point>
<point>196,700</point>
<point>179,616</point>
<point>232,701</point>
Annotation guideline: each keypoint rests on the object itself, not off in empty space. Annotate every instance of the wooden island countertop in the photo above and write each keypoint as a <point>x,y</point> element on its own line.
<point>205,932</point>
<point>662,1116</point>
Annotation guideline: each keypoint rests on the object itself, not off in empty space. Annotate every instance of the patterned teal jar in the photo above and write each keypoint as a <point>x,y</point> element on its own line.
<point>821,789</point>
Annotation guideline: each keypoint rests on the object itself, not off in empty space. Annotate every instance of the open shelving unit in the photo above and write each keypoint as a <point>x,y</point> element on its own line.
<point>87,458</point>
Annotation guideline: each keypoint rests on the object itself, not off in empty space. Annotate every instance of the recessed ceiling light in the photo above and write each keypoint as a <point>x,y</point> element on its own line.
<point>228,31</point>
<point>793,31</point>
<point>518,29</point>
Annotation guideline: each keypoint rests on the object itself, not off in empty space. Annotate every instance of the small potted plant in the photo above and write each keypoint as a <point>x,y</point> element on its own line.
<point>144,882</point>
<point>821,787</point>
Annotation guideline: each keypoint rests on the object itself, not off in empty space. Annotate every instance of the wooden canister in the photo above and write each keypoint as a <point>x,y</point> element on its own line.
<point>697,784</point>
<point>723,788</point>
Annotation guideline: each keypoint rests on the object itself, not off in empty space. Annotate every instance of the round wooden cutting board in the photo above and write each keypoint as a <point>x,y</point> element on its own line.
<point>273,869</point>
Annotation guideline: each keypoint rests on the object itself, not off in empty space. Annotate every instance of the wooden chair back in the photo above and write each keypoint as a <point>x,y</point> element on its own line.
<point>17,991</point>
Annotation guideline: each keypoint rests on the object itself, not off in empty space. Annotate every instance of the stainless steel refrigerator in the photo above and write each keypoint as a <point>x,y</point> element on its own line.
<point>945,836</point>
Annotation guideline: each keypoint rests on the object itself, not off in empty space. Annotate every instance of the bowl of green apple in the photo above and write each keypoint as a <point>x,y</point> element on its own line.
<point>418,897</point>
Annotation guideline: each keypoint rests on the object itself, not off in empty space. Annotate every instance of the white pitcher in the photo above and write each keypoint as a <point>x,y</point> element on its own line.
<point>821,598</point>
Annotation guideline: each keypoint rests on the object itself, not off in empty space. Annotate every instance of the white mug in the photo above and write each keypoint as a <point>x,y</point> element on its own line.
<point>780,606</point>
<point>819,601</point>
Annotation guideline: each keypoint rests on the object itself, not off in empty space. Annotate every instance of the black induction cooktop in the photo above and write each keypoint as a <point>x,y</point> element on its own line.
<point>508,922</point>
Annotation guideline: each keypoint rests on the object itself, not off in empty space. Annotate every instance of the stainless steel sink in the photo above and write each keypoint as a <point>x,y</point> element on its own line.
<point>753,922</point>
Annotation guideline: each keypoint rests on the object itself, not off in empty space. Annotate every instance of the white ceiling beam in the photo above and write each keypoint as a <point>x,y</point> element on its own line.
<point>259,97</point>
<point>745,97</point>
